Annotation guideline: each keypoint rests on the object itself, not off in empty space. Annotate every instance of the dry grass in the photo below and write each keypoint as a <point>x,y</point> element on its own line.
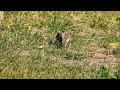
<point>94,50</point>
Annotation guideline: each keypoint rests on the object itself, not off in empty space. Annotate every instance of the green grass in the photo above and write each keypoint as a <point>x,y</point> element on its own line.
<point>25,51</point>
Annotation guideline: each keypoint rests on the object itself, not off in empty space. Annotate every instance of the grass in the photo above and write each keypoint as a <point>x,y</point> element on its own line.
<point>94,51</point>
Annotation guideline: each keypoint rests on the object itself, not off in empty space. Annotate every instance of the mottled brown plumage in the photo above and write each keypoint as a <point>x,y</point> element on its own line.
<point>63,38</point>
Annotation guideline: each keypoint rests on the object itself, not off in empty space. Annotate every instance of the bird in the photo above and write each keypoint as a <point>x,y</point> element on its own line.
<point>63,39</point>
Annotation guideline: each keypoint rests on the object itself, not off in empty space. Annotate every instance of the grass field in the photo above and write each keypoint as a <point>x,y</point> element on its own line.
<point>93,52</point>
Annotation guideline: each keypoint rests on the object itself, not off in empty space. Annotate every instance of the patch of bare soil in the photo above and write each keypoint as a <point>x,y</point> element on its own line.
<point>99,57</point>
